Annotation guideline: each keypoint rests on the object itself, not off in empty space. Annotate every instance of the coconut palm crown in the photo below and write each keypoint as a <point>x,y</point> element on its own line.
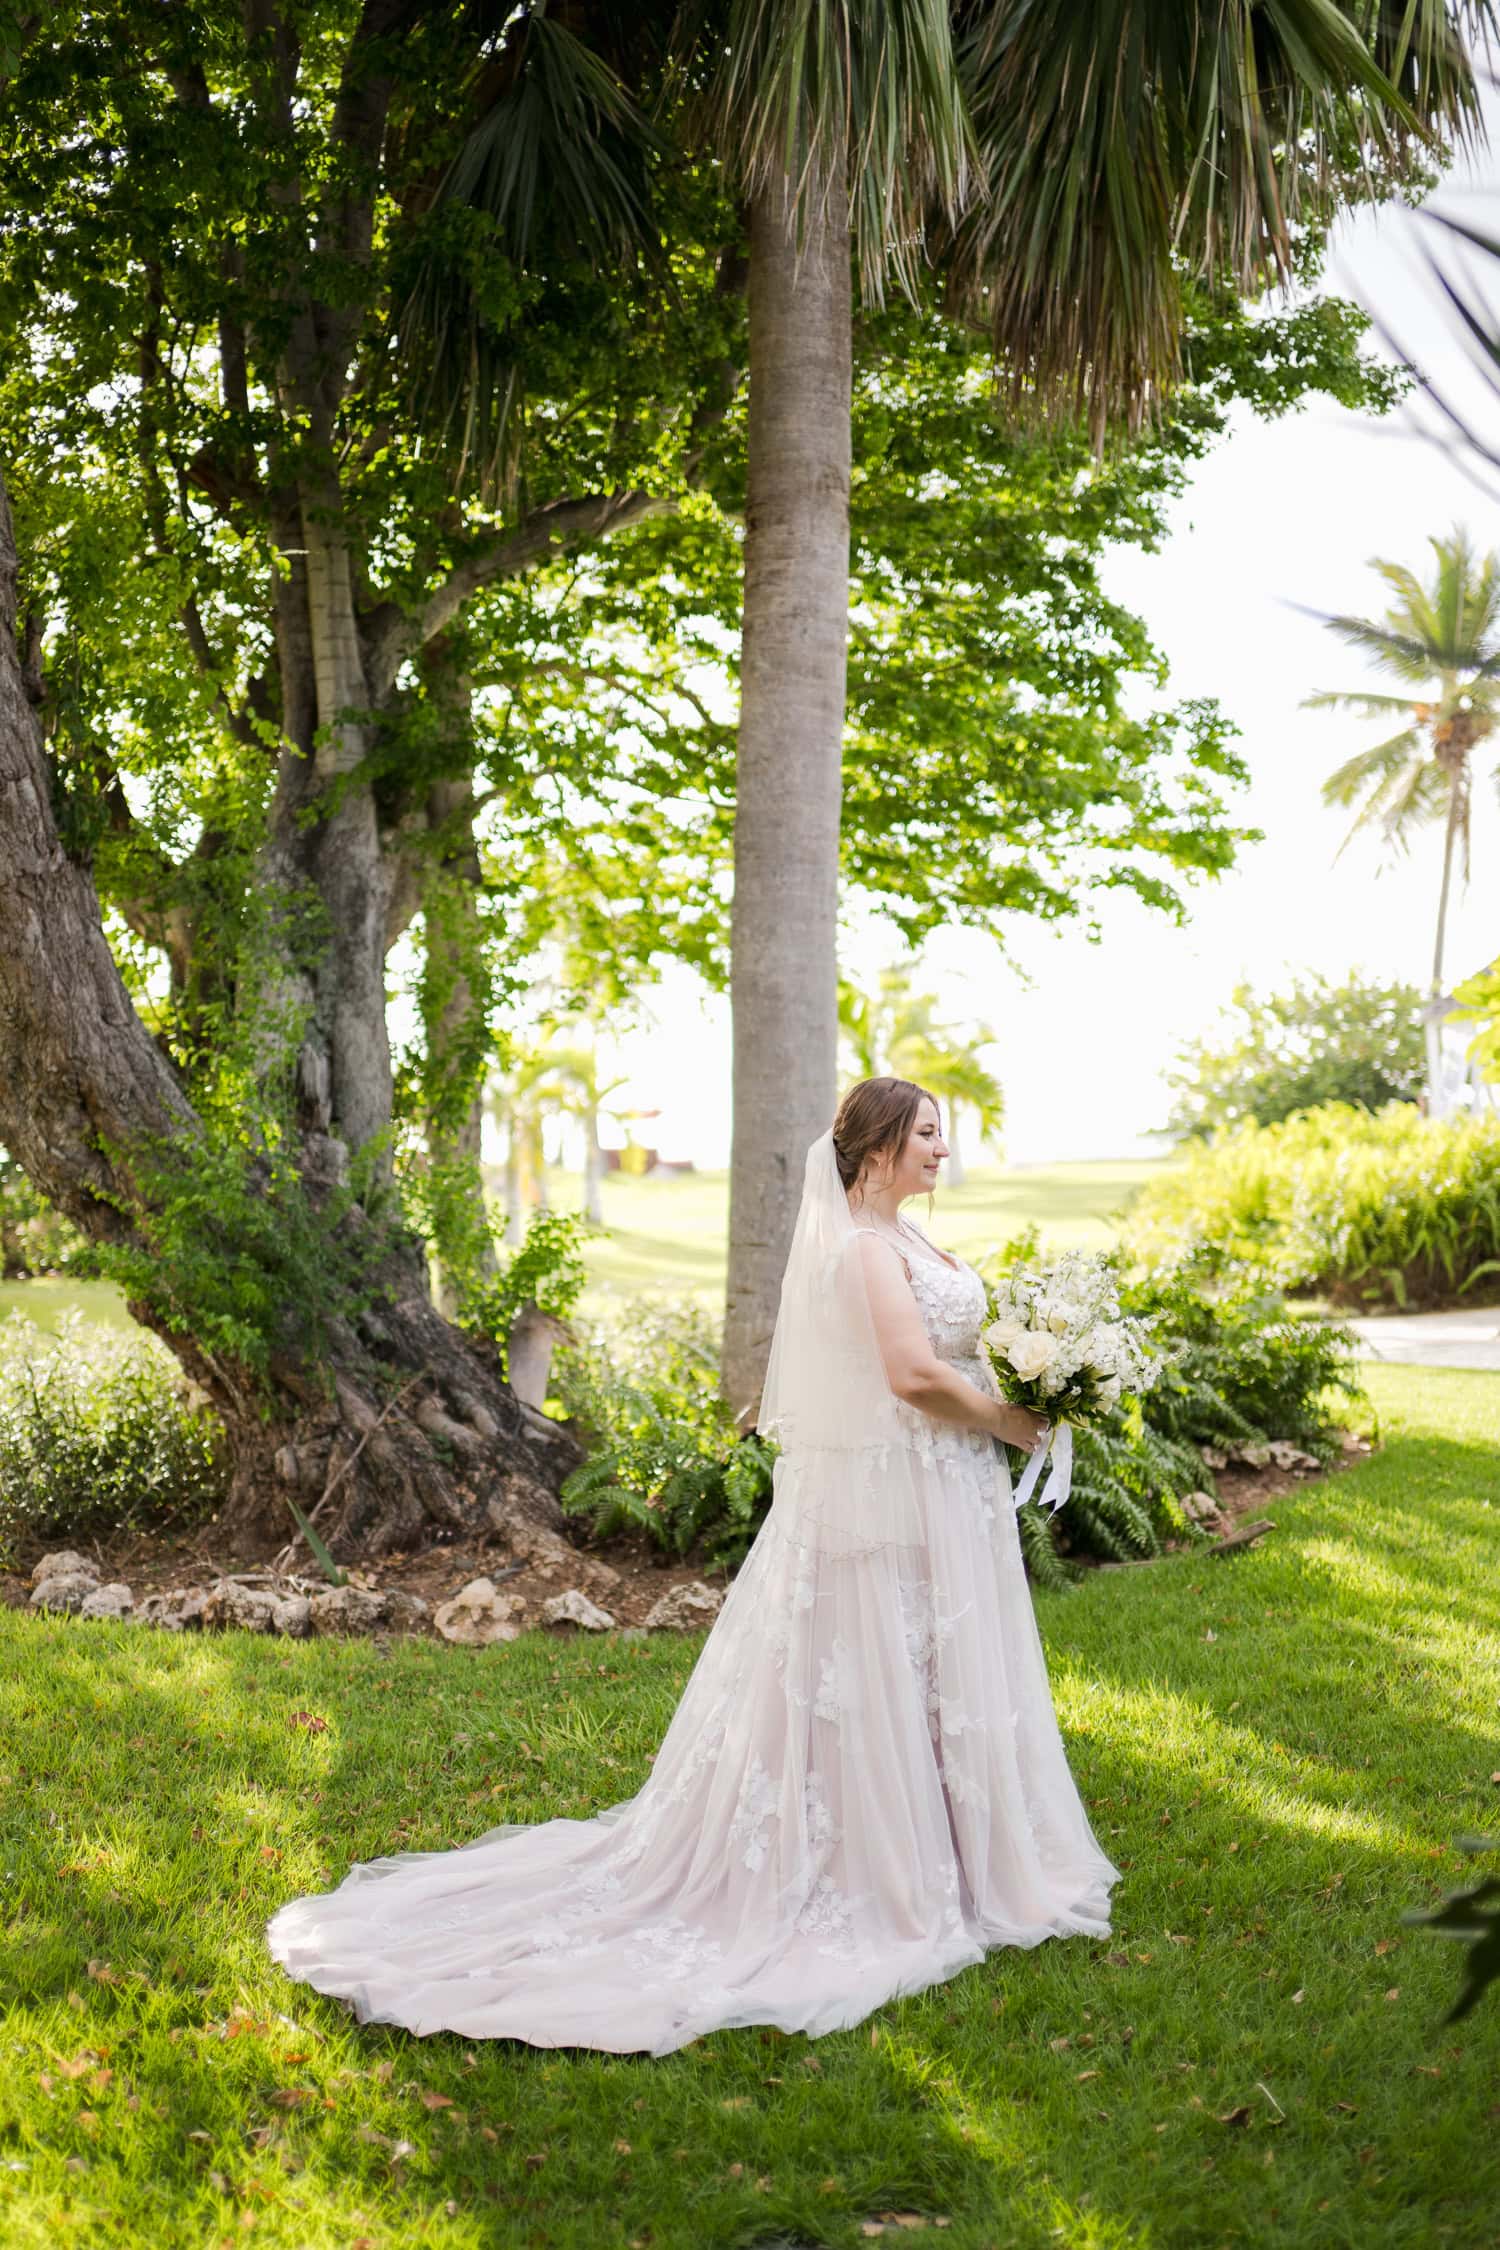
<point>1441,642</point>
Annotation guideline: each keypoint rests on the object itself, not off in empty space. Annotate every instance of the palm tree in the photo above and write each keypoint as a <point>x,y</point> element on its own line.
<point>1071,165</point>
<point>1065,168</point>
<point>1441,641</point>
<point>894,1031</point>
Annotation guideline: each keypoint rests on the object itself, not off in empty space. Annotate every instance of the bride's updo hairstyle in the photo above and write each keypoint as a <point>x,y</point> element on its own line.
<point>874,1119</point>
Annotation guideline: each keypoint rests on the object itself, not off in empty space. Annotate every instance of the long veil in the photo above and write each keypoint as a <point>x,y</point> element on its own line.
<point>847,1479</point>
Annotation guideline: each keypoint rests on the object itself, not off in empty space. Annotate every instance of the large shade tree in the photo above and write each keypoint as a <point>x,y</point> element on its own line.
<point>224,250</point>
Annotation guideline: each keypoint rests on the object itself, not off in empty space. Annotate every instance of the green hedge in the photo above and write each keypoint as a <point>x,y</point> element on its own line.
<point>1368,1210</point>
<point>98,1433</point>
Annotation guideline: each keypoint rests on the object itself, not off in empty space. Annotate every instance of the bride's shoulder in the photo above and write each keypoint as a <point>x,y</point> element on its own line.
<point>872,1246</point>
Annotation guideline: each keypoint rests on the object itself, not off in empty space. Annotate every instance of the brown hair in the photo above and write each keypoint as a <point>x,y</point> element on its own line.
<point>874,1119</point>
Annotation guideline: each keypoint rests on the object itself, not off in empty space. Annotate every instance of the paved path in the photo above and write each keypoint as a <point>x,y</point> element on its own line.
<point>1470,1338</point>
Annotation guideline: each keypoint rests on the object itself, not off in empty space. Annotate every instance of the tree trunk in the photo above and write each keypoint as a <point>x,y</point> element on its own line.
<point>593,1166</point>
<point>1433,1019</point>
<point>453,996</point>
<point>956,1168</point>
<point>783,932</point>
<point>383,1420</point>
<point>515,1220</point>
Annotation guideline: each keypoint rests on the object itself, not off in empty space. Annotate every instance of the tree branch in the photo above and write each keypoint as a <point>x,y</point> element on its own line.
<point>392,634</point>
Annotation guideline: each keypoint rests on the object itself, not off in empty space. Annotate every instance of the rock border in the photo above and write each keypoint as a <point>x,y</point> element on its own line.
<point>476,1614</point>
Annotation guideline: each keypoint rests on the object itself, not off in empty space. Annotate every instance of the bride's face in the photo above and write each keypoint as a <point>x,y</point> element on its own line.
<point>915,1168</point>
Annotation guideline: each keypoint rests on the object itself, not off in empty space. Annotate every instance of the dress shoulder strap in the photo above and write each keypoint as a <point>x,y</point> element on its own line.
<point>885,1238</point>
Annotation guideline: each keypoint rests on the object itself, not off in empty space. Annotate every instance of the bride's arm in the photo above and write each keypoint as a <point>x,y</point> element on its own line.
<point>912,1367</point>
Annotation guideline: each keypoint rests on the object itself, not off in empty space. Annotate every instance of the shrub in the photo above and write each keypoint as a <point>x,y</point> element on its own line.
<point>547,1271</point>
<point>99,1432</point>
<point>1319,1042</point>
<point>1238,1370</point>
<point>665,1455</point>
<point>33,1237</point>
<point>1392,1208</point>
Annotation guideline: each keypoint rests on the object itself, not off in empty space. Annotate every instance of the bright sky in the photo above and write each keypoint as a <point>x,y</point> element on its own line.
<point>1282,512</point>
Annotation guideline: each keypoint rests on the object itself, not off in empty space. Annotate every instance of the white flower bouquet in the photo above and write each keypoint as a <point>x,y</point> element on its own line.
<point>1060,1345</point>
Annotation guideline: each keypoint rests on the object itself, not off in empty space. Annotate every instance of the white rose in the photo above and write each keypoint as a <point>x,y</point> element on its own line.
<point>1059,1322</point>
<point>1001,1334</point>
<point>1032,1354</point>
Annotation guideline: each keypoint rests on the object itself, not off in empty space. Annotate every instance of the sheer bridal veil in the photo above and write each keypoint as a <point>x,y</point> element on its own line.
<point>848,1479</point>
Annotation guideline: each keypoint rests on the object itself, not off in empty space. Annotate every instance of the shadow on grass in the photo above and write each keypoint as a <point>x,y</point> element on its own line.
<point>1275,1794</point>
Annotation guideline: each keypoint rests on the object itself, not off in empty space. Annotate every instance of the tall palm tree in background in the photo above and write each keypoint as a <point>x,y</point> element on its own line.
<point>894,1032</point>
<point>1441,641</point>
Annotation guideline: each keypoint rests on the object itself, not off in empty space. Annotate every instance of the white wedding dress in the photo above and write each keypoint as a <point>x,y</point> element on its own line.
<point>862,1789</point>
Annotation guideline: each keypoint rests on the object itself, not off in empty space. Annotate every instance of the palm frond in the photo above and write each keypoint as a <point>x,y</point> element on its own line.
<point>1354,699</point>
<point>1122,146</point>
<point>1372,770</point>
<point>860,92</point>
<point>557,163</point>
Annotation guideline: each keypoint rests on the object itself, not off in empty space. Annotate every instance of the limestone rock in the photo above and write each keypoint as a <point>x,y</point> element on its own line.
<point>544,1551</point>
<point>477,1615</point>
<point>65,1589</point>
<point>250,1608</point>
<point>64,1563</point>
<point>575,1608</point>
<point>115,1600</point>
<point>406,1612</point>
<point>348,1609</point>
<point>1254,1455</point>
<point>1289,1456</point>
<point>686,1609</point>
<point>175,1610</point>
<point>292,1615</point>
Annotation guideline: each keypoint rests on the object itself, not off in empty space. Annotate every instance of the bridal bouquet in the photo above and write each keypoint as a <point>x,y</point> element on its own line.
<point>1060,1345</point>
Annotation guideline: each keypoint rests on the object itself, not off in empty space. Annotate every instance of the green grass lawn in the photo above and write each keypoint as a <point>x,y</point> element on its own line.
<point>1278,1750</point>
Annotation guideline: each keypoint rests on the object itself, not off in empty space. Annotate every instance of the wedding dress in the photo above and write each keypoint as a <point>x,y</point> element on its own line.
<point>862,1789</point>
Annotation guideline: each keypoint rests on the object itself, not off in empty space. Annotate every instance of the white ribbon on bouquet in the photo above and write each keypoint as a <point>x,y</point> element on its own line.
<point>1056,1448</point>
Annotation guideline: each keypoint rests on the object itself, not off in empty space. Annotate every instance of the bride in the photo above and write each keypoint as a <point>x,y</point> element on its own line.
<point>863,1787</point>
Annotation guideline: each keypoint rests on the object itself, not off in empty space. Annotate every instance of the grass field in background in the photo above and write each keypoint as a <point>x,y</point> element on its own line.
<point>668,1234</point>
<point>1278,1750</point>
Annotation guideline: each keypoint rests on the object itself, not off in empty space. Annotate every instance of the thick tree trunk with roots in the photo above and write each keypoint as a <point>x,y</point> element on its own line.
<point>394,1424</point>
<point>784,985</point>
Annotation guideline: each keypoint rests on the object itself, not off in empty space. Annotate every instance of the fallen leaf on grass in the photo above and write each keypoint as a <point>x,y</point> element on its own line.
<point>1083,2074</point>
<point>735,2101</point>
<point>1239,2115</point>
<point>309,1721</point>
<point>291,2097</point>
<point>437,2101</point>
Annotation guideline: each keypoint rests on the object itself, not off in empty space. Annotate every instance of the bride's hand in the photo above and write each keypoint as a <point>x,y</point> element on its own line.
<point>1018,1426</point>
